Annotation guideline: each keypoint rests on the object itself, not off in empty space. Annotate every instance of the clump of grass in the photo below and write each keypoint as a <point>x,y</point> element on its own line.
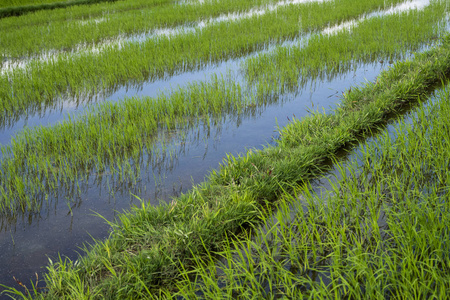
<point>151,246</point>
<point>75,21</point>
<point>379,232</point>
<point>118,137</point>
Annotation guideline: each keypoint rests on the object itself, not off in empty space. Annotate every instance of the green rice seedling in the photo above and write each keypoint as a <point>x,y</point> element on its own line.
<point>63,9</point>
<point>12,3</point>
<point>113,138</point>
<point>15,11</point>
<point>151,245</point>
<point>85,74</point>
<point>80,26</point>
<point>261,176</point>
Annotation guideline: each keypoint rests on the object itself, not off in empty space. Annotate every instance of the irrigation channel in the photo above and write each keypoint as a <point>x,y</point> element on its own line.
<point>186,156</point>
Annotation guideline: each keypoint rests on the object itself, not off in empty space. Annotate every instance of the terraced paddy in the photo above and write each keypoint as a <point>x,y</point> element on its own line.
<point>92,120</point>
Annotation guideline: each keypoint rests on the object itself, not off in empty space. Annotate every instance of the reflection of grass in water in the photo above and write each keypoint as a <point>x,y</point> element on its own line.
<point>90,73</point>
<point>379,232</point>
<point>157,138</point>
<point>254,175</point>
<point>115,181</point>
<point>151,248</point>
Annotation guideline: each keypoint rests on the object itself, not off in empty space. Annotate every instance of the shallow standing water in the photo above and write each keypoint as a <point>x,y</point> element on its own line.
<point>27,243</point>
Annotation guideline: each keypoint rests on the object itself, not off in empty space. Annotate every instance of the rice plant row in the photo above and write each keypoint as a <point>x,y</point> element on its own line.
<point>87,74</point>
<point>282,68</point>
<point>27,9</point>
<point>79,13</point>
<point>12,3</point>
<point>112,136</point>
<point>76,27</point>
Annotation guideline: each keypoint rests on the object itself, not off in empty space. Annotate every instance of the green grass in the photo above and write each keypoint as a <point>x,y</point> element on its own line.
<point>119,140</point>
<point>150,247</point>
<point>85,75</point>
<point>112,137</point>
<point>15,11</point>
<point>379,232</point>
<point>70,28</point>
<point>283,69</point>
<point>53,24</point>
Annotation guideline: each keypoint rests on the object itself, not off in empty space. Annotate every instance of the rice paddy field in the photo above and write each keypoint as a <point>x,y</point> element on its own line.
<point>185,149</point>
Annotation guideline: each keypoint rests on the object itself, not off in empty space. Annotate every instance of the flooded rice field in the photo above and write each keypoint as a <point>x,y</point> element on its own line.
<point>182,156</point>
<point>50,114</point>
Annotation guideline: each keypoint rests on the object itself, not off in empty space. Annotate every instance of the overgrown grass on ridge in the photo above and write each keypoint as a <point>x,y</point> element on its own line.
<point>115,136</point>
<point>380,232</point>
<point>149,246</point>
